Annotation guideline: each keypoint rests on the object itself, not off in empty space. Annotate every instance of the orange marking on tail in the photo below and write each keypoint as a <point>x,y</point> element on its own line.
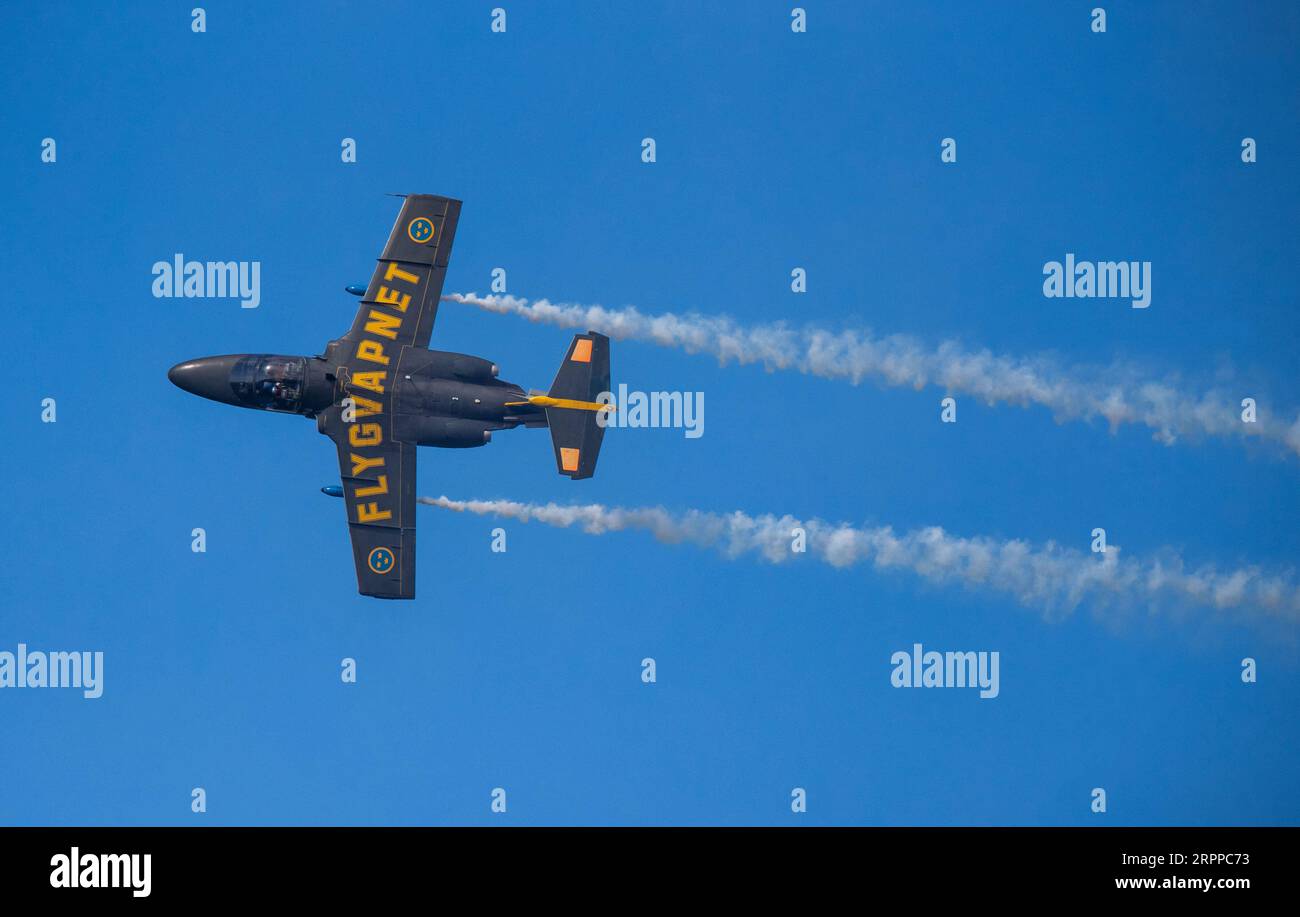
<point>582,351</point>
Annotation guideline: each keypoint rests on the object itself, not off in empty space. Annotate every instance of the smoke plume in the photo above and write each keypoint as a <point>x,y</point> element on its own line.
<point>1050,578</point>
<point>1120,395</point>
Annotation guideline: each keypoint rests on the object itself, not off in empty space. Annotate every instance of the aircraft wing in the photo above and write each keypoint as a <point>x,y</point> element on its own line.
<point>378,472</point>
<point>379,494</point>
<point>401,301</point>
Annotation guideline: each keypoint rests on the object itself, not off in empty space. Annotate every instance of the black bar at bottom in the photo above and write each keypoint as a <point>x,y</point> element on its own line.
<point>339,864</point>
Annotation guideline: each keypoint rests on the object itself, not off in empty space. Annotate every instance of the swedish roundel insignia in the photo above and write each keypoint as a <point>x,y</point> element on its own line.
<point>381,560</point>
<point>420,230</point>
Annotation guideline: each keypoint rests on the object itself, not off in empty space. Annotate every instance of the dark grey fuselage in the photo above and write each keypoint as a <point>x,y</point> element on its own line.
<point>437,398</point>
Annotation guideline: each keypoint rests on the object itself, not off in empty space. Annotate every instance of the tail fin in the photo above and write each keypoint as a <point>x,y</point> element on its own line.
<point>573,412</point>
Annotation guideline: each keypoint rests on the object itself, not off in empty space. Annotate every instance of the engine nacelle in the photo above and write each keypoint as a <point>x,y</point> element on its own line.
<point>449,433</point>
<point>463,366</point>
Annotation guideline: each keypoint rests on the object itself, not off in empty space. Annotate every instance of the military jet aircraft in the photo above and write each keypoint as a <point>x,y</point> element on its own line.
<point>378,392</point>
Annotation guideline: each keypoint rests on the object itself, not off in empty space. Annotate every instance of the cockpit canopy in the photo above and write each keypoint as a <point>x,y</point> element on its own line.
<point>271,382</point>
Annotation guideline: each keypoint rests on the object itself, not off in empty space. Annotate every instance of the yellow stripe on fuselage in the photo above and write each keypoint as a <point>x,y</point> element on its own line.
<point>546,401</point>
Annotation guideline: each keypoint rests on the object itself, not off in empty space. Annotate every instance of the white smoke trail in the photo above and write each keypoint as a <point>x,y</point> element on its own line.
<point>1118,394</point>
<point>1051,578</point>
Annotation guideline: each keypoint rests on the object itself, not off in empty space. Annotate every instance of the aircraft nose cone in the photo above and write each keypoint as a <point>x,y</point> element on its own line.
<point>208,377</point>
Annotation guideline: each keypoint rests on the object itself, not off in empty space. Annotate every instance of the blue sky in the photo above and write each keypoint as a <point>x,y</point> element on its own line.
<point>522,670</point>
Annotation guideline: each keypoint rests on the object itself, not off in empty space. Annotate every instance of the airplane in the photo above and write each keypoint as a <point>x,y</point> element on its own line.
<point>378,392</point>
